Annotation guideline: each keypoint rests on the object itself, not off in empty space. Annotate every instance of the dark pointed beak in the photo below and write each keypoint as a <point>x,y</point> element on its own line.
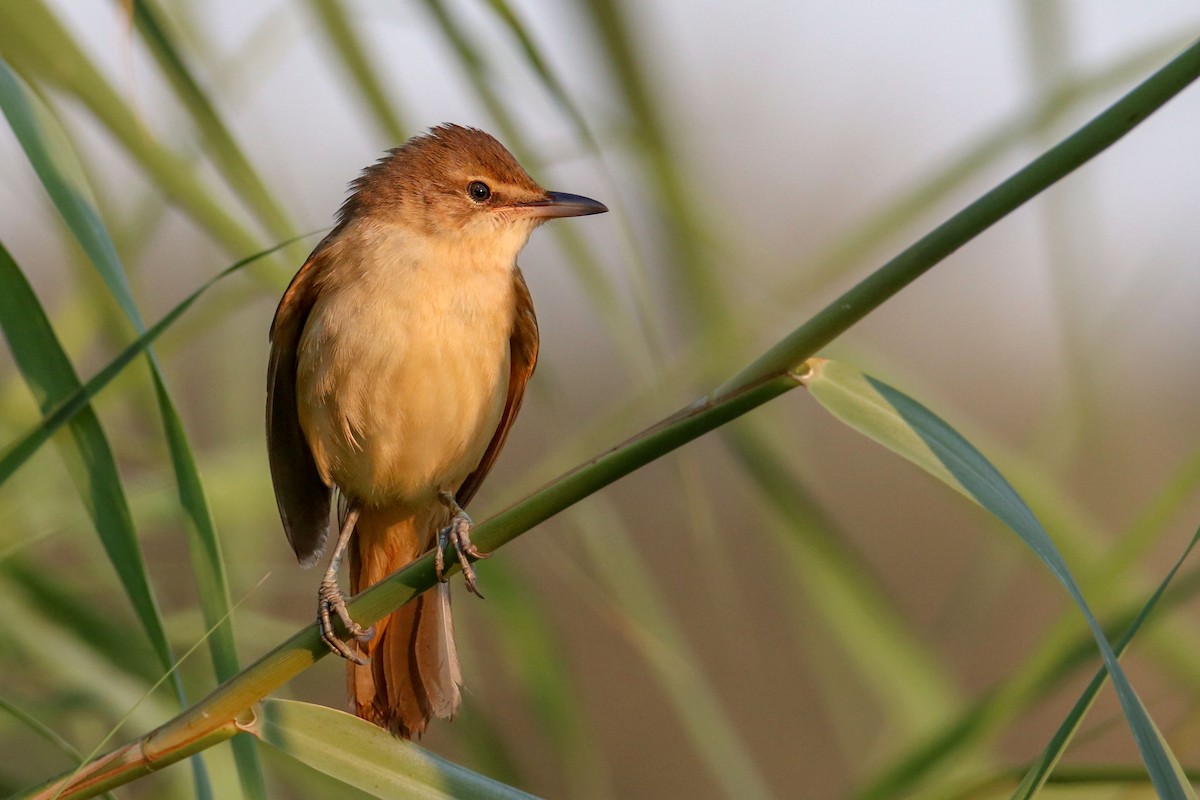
<point>561,204</point>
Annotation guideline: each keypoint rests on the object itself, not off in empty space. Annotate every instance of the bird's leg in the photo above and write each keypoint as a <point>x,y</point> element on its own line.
<point>458,532</point>
<point>331,600</point>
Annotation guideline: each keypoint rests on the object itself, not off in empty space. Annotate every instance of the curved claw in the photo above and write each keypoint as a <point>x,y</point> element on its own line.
<point>458,532</point>
<point>330,601</point>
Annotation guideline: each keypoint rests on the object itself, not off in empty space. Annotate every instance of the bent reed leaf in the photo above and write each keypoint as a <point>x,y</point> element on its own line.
<point>908,428</point>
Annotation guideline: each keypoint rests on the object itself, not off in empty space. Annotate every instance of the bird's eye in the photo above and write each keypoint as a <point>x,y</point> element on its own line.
<point>478,191</point>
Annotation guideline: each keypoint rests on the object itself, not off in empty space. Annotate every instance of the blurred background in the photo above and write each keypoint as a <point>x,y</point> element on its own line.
<point>780,609</point>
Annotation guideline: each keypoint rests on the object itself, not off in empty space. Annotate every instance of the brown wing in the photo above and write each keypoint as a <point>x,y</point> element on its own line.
<point>302,496</point>
<point>523,348</point>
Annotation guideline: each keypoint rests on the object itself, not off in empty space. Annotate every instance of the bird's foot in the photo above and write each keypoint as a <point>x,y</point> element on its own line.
<point>331,601</point>
<point>458,532</point>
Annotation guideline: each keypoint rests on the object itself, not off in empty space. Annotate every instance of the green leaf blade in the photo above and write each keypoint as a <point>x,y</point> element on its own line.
<point>368,757</point>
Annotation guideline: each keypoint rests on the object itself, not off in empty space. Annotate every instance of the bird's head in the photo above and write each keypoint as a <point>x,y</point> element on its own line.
<point>457,182</point>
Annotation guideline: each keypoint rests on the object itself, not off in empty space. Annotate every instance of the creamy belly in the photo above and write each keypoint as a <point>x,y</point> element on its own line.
<point>403,374</point>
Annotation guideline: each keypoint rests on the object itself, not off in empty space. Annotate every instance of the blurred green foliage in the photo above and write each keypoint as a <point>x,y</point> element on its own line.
<point>710,628</point>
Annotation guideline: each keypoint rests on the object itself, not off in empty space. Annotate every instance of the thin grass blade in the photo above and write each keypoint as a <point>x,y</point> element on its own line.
<point>91,626</point>
<point>335,24</point>
<point>689,245</point>
<point>541,68</point>
<point>534,658</point>
<point>36,43</point>
<point>1039,771</point>
<point>917,690</point>
<point>631,596</point>
<point>224,149</point>
<point>17,453</point>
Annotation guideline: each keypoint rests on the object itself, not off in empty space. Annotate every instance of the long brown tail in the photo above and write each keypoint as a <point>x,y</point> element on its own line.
<point>413,673</point>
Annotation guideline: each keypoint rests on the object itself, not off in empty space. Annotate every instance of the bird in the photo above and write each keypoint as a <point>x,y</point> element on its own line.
<point>399,357</point>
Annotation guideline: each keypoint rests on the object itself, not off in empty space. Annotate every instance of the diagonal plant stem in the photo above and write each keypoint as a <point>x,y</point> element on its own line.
<point>1057,162</point>
<point>1033,124</point>
<point>227,710</point>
